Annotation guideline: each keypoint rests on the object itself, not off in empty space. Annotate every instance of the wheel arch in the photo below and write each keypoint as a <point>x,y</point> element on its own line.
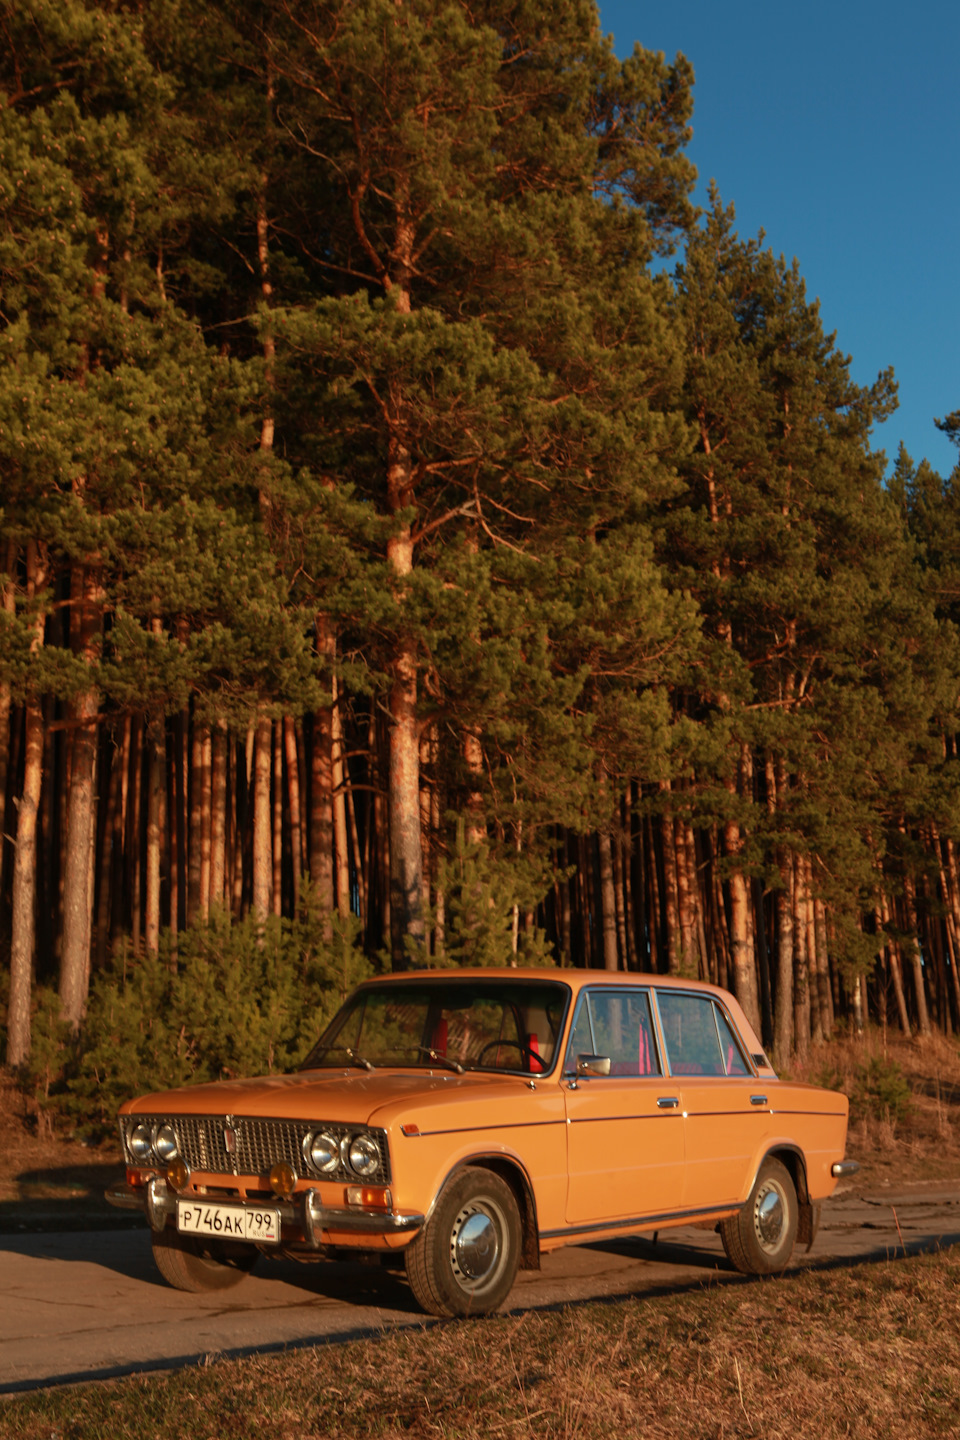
<point>795,1162</point>
<point>512,1172</point>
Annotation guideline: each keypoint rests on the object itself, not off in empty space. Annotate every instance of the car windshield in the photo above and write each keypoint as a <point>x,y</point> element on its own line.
<point>455,1025</point>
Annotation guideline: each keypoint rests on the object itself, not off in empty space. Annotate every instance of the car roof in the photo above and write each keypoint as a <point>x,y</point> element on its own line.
<point>578,980</point>
<point>568,975</point>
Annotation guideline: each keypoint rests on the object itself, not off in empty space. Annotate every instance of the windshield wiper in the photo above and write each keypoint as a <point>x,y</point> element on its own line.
<point>442,1059</point>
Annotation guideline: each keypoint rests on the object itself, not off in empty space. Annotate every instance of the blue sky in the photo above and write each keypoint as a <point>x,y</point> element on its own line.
<point>836,129</point>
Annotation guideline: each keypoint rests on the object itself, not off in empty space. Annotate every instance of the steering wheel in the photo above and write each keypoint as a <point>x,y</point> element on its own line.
<point>532,1058</point>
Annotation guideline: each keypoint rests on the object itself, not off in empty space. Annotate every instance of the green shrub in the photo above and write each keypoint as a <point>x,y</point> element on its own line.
<point>235,999</point>
<point>880,1090</point>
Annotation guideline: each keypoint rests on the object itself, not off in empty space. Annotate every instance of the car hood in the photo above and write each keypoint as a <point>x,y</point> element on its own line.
<point>351,1096</point>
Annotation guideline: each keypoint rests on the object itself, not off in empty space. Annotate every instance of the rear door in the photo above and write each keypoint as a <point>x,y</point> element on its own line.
<point>725,1107</point>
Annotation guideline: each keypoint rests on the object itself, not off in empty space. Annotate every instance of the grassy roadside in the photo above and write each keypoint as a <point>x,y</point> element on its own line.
<point>867,1351</point>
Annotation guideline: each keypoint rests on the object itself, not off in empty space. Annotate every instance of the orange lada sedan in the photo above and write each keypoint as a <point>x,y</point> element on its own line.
<point>474,1120</point>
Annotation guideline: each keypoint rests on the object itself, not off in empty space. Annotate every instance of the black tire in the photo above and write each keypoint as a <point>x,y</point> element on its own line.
<point>464,1261</point>
<point>191,1264</point>
<point>760,1239</point>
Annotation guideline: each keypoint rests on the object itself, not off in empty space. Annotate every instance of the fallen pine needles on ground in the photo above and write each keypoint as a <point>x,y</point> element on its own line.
<point>866,1351</point>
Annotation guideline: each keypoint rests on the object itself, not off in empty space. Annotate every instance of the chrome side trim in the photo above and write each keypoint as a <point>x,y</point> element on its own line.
<point>641,1222</point>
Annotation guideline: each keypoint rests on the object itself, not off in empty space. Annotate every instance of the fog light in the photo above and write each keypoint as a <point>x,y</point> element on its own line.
<point>283,1179</point>
<point>178,1176</point>
<point>371,1197</point>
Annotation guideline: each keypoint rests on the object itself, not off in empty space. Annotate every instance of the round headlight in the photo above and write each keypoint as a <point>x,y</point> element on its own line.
<point>140,1141</point>
<point>322,1151</point>
<point>166,1143</point>
<point>364,1155</point>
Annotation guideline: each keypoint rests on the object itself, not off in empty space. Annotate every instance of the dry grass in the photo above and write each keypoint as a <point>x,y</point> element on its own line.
<point>868,1351</point>
<point>924,1142</point>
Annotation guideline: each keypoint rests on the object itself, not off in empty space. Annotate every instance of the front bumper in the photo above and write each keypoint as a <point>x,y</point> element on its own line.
<point>304,1217</point>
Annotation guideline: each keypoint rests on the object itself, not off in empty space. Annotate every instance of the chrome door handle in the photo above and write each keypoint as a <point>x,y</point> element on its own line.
<point>667,1102</point>
<point>758,1099</point>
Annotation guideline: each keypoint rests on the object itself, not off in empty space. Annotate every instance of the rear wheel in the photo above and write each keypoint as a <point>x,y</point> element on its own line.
<point>760,1239</point>
<point>464,1261</point>
<point>190,1264</point>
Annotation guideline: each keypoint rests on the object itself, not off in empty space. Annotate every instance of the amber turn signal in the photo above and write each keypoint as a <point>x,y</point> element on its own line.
<point>283,1179</point>
<point>371,1197</point>
<point>178,1176</point>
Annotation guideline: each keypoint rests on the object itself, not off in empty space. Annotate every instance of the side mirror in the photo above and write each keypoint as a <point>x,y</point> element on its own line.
<point>593,1064</point>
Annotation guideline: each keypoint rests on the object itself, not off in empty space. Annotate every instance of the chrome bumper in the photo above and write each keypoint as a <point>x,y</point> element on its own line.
<point>843,1168</point>
<point>305,1213</point>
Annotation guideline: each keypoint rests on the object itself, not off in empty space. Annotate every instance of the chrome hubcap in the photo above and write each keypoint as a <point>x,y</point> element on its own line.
<point>474,1246</point>
<point>769,1214</point>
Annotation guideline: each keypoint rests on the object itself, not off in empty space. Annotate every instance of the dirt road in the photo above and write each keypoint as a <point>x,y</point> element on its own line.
<point>90,1305</point>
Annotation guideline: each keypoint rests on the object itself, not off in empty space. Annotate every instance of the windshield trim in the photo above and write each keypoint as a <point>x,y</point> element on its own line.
<point>434,980</point>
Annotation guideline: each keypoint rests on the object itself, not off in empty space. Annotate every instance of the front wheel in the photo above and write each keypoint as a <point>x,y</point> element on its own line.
<point>195,1265</point>
<point>464,1261</point>
<point>760,1239</point>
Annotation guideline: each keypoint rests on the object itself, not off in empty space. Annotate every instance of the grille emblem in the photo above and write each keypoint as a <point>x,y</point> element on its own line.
<point>230,1139</point>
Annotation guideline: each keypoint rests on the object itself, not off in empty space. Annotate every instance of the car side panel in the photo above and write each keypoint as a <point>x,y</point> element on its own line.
<point>524,1126</point>
<point>625,1152</point>
<point>723,1133</point>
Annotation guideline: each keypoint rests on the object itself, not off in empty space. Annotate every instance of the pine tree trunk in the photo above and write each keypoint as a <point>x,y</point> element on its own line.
<point>8,603</point>
<point>341,843</point>
<point>194,790</point>
<point>292,759</point>
<point>783,1012</point>
<point>620,901</point>
<point>81,811</point>
<point>436,821</point>
<point>896,968</point>
<point>916,956</point>
<point>403,776</point>
<point>686,898</point>
<point>823,966</point>
<point>801,973</point>
<point>23,916</point>
<point>322,786</point>
<point>218,817</point>
<point>132,831</point>
<point>262,848</point>
<point>112,846</point>
<point>763,966</point>
<point>671,906</point>
<point>608,903</point>
<point>655,904</point>
<point>206,821</point>
<point>948,873</point>
<point>156,828</point>
<point>277,827</point>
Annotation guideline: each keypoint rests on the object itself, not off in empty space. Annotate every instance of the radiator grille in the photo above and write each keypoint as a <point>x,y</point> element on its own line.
<point>244,1145</point>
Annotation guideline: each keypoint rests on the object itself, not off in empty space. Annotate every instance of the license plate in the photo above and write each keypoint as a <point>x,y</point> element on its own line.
<point>229,1222</point>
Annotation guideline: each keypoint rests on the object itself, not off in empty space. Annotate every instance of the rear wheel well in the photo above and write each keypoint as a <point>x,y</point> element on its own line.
<point>809,1217</point>
<point>794,1162</point>
<point>513,1175</point>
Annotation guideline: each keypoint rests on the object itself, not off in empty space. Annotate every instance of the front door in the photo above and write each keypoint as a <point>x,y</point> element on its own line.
<point>624,1128</point>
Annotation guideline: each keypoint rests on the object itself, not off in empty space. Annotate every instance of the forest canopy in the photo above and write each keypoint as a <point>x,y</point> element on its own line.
<point>423,529</point>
